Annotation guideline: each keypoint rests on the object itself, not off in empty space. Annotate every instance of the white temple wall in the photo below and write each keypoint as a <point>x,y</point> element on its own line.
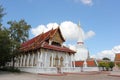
<point>41,61</point>
<point>31,59</point>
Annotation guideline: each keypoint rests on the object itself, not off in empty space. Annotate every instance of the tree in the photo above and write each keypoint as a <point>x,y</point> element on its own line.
<point>4,41</point>
<point>4,47</point>
<point>102,64</point>
<point>111,65</point>
<point>19,33</point>
<point>105,58</point>
<point>1,15</point>
<point>107,66</point>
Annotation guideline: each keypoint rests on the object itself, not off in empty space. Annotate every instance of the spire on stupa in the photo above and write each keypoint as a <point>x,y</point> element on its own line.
<point>81,35</point>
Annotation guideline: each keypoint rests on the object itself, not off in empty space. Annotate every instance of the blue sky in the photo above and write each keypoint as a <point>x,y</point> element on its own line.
<point>100,16</point>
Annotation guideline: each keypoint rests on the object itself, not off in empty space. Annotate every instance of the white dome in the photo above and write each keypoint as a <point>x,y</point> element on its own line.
<point>82,53</point>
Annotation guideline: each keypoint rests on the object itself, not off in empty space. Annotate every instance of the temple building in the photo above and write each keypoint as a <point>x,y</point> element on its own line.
<point>46,53</point>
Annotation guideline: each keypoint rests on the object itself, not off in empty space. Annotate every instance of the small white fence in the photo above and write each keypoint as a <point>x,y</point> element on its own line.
<point>39,70</point>
<point>70,69</point>
<point>55,70</point>
<point>90,69</point>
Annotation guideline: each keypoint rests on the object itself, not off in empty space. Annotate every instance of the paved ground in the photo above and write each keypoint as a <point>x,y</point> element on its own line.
<point>29,76</point>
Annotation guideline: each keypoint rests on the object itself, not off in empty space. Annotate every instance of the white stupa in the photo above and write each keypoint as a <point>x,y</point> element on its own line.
<point>82,52</point>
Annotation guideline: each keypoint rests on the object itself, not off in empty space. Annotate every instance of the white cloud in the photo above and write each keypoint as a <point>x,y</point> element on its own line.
<point>38,30</point>
<point>70,30</point>
<point>85,2</point>
<point>108,53</point>
<point>42,28</point>
<point>116,49</point>
<point>89,34</point>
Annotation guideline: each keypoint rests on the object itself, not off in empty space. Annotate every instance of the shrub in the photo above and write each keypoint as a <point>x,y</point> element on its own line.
<point>10,69</point>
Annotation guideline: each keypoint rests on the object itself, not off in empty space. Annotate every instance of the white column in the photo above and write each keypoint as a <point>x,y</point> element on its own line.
<point>66,60</point>
<point>21,60</point>
<point>38,59</point>
<point>28,59</point>
<point>52,61</point>
<point>41,61</point>
<point>73,60</point>
<point>54,57</point>
<point>32,59</point>
<point>24,59</point>
<point>45,63</point>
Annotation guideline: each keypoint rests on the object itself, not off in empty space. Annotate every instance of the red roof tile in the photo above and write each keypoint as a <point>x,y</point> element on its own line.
<point>57,48</point>
<point>39,42</point>
<point>90,63</point>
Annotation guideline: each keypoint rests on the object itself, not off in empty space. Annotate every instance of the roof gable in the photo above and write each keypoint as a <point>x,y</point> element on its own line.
<point>57,37</point>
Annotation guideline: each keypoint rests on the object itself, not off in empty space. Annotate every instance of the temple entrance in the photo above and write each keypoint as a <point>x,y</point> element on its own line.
<point>57,62</point>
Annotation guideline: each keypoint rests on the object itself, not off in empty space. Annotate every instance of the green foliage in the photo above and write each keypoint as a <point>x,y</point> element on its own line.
<point>19,33</point>
<point>10,69</point>
<point>4,41</point>
<point>5,47</point>
<point>1,15</point>
<point>102,64</point>
<point>111,65</point>
<point>107,65</point>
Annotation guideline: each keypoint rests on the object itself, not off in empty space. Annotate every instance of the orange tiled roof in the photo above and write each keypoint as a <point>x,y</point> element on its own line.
<point>39,42</point>
<point>90,63</point>
<point>79,63</point>
<point>117,57</point>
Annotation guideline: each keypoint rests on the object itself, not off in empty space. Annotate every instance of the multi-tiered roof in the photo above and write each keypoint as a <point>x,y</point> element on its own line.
<point>52,40</point>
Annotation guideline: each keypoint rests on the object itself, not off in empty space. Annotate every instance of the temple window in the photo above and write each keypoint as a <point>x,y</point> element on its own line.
<point>61,61</point>
<point>56,60</point>
<point>56,44</point>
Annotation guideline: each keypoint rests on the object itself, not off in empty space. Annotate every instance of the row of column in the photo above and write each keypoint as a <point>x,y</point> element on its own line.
<point>71,62</point>
<point>40,60</point>
<point>25,60</point>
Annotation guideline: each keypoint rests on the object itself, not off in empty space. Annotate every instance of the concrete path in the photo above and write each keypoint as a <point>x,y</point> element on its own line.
<point>115,73</point>
<point>29,76</point>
